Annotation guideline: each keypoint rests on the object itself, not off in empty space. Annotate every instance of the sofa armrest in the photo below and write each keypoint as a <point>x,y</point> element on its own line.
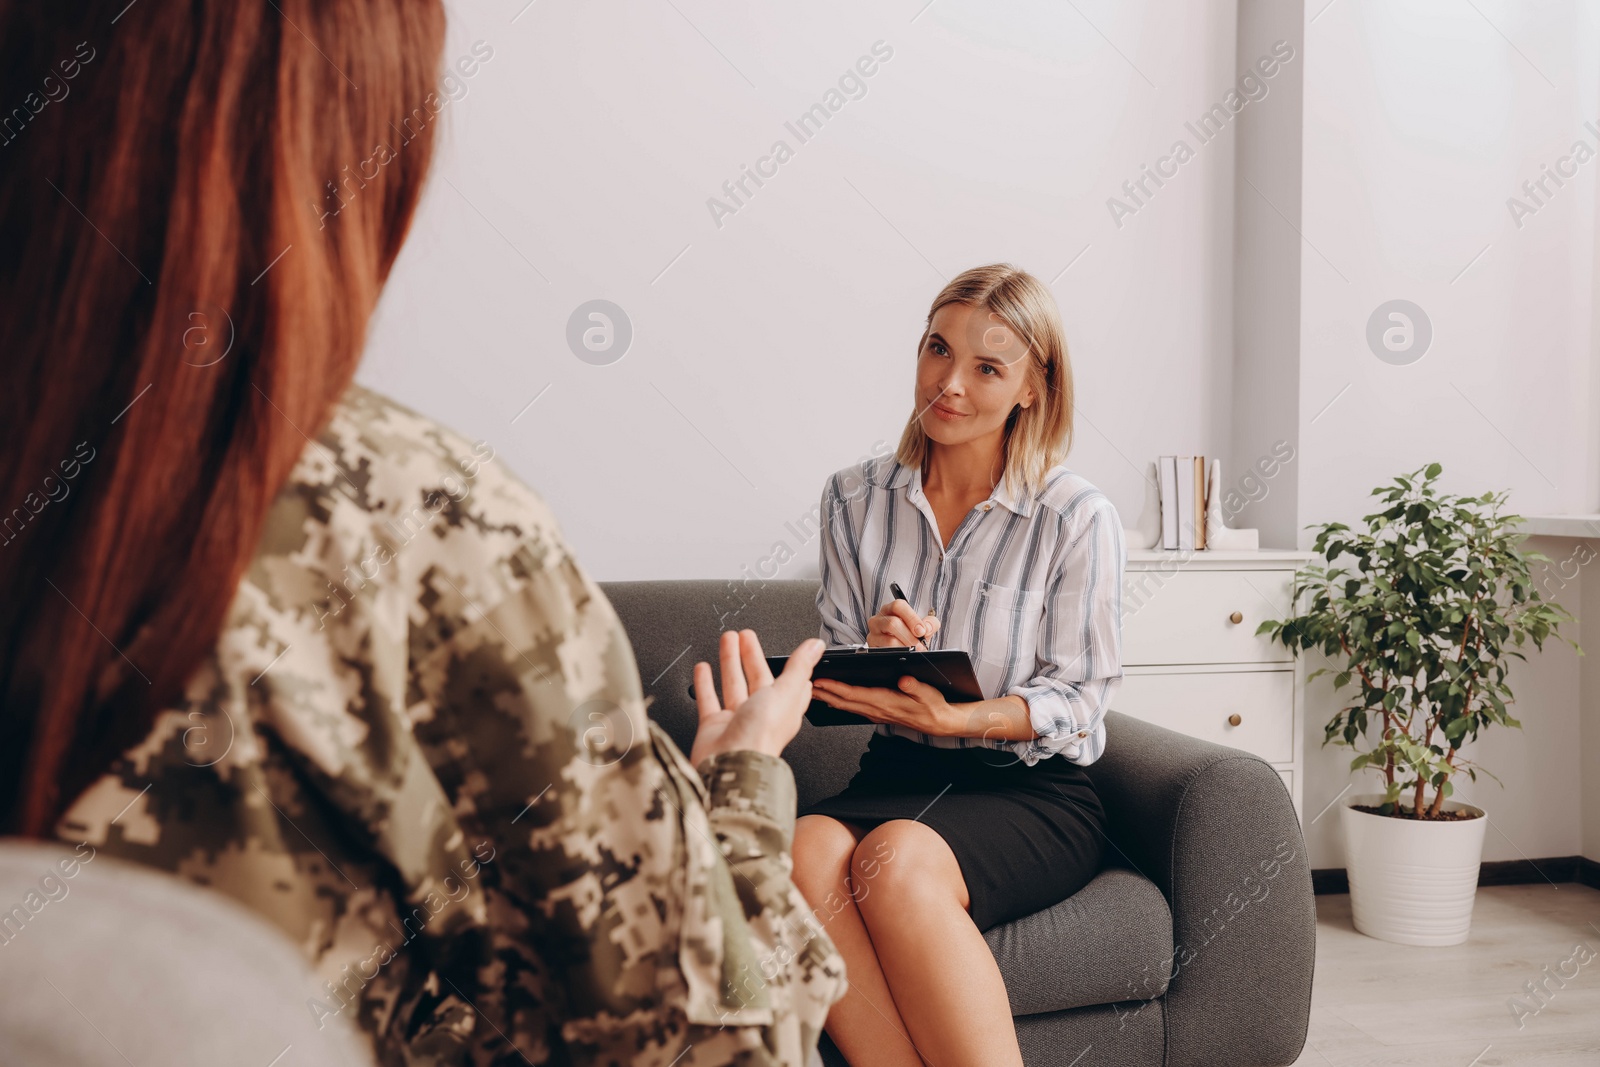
<point>1214,829</point>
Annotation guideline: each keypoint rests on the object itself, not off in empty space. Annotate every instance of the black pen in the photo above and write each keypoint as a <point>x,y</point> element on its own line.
<point>900,594</point>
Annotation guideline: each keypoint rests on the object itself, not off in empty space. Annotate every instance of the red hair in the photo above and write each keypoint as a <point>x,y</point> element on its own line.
<point>163,201</point>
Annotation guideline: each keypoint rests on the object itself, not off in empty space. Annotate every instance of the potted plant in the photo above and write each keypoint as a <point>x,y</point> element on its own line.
<point>1423,614</point>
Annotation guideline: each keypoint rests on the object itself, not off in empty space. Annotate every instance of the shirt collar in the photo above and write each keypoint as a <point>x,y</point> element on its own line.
<point>911,480</point>
<point>1022,504</point>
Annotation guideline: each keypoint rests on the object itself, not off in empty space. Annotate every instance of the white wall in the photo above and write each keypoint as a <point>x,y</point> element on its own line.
<point>1421,120</point>
<point>784,340</point>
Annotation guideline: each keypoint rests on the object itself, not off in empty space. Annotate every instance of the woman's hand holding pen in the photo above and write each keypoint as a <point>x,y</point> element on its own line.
<point>897,624</point>
<point>915,704</point>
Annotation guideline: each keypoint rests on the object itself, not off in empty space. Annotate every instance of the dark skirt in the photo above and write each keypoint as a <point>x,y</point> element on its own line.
<point>1025,837</point>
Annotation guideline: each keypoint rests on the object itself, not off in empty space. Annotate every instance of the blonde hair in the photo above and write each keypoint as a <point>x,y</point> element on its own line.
<point>1036,437</point>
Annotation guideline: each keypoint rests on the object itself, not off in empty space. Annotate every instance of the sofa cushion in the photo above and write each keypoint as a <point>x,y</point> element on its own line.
<point>1110,941</point>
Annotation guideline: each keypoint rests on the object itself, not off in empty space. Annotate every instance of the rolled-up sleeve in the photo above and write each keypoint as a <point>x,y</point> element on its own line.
<point>1079,661</point>
<point>839,598</point>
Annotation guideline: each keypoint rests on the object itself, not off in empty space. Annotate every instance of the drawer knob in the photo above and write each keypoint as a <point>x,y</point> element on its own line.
<point>1235,719</point>
<point>1236,617</point>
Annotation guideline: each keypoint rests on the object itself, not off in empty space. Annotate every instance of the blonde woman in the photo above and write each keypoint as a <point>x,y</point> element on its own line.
<point>962,817</point>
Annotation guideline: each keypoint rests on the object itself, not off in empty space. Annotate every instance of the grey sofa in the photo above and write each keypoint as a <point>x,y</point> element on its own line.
<point>1194,948</point>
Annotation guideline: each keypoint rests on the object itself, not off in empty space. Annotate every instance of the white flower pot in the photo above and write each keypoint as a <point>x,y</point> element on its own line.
<point>1412,882</point>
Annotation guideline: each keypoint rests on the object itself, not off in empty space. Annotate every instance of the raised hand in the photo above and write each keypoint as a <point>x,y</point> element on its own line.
<point>756,711</point>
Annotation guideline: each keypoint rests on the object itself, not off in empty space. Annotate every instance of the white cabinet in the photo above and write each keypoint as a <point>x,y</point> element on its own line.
<point>1192,661</point>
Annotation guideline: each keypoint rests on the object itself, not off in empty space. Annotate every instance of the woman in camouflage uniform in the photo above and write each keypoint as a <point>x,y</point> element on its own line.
<point>275,634</point>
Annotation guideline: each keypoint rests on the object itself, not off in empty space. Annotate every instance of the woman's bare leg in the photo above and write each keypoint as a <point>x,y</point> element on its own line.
<point>865,1023</point>
<point>943,976</point>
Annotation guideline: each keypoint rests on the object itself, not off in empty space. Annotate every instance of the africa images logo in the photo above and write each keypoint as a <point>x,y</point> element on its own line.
<point>1399,332</point>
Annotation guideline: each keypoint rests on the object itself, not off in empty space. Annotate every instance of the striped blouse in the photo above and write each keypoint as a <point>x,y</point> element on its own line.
<point>1031,587</point>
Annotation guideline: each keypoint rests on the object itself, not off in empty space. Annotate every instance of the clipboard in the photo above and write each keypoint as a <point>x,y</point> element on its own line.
<point>947,670</point>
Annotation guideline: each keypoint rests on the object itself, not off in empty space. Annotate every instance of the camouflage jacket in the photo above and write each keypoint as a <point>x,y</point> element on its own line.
<point>420,748</point>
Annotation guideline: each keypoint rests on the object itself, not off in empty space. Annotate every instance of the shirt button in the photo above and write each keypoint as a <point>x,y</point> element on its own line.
<point>1083,733</point>
<point>986,507</point>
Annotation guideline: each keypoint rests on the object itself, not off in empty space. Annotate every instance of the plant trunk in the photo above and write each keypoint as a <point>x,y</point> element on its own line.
<point>1388,756</point>
<point>1438,796</point>
<point>1416,804</point>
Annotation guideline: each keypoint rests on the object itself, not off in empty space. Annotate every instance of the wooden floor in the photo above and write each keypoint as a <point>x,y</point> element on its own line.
<point>1378,1004</point>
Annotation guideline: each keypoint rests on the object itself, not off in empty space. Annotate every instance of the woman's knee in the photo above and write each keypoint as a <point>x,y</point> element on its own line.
<point>902,861</point>
<point>822,850</point>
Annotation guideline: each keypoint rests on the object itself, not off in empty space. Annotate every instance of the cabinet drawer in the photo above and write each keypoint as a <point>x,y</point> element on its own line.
<point>1186,617</point>
<point>1200,705</point>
